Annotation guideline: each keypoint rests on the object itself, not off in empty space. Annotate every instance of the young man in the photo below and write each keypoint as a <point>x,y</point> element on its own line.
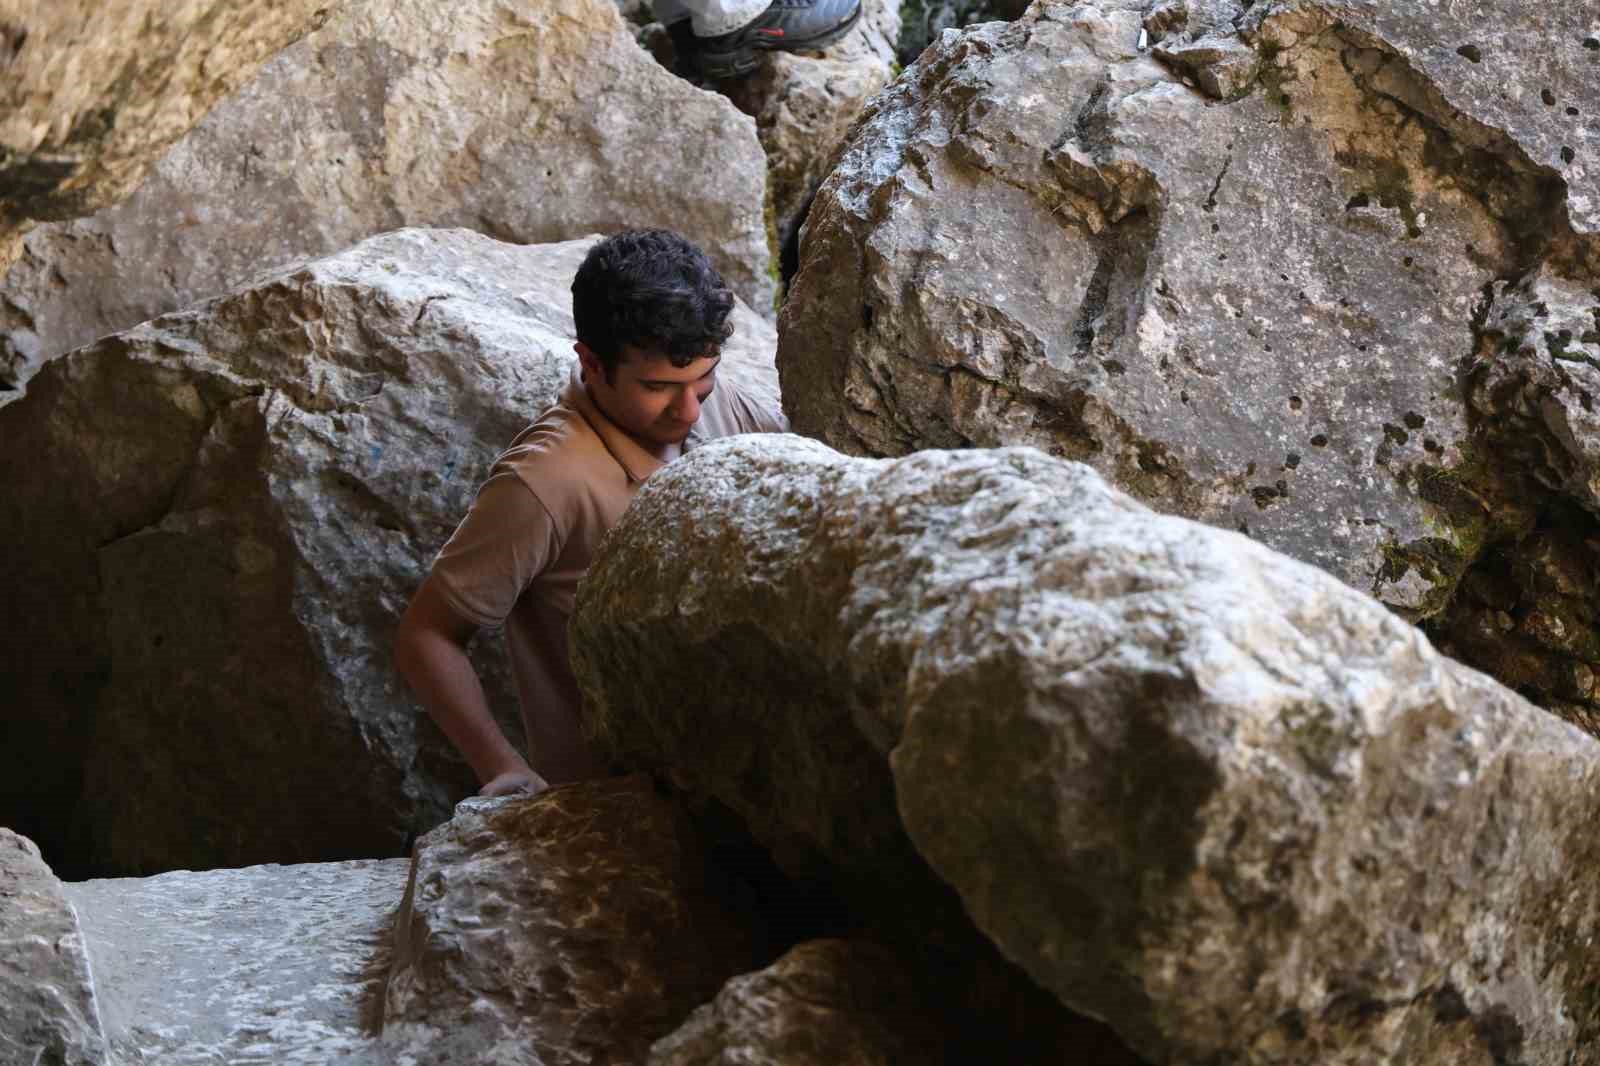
<point>651,314</point>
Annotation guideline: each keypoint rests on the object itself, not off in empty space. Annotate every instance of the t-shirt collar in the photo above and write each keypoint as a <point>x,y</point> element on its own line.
<point>637,463</point>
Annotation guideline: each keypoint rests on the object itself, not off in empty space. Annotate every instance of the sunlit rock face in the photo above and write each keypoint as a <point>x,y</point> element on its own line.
<point>216,520</point>
<point>1198,789</point>
<point>1323,273</point>
<point>94,93</point>
<point>527,122</point>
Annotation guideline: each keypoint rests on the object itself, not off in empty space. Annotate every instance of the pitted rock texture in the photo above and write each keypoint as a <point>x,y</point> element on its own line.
<point>265,964</point>
<point>94,93</point>
<point>217,519</point>
<point>1198,789</point>
<point>527,122</point>
<point>1243,272</point>
<point>571,927</point>
<point>825,1003</point>
<point>51,1013</point>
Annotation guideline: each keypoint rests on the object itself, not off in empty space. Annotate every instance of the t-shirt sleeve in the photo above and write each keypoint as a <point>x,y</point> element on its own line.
<point>756,410</point>
<point>507,539</point>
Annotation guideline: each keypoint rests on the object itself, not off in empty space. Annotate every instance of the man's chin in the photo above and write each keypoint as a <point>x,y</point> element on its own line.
<point>672,435</point>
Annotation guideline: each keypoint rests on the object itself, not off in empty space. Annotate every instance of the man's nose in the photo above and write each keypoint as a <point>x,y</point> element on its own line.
<point>687,408</point>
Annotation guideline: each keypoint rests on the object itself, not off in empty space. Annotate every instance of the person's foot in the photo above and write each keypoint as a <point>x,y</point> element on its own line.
<point>786,25</point>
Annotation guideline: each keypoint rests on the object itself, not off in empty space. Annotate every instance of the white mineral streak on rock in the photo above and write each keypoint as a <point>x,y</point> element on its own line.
<point>531,122</point>
<point>227,509</point>
<point>1200,790</point>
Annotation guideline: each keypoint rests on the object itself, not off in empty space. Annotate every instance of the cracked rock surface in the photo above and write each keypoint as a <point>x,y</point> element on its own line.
<point>1198,789</point>
<point>528,122</point>
<point>573,927</point>
<point>1247,273</point>
<point>94,93</point>
<point>51,1014</point>
<point>216,520</point>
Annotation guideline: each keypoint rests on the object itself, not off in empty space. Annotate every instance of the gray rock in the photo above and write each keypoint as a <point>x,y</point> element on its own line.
<point>51,1013</point>
<point>279,964</point>
<point>529,122</point>
<point>215,522</point>
<point>571,927</point>
<point>1255,315</point>
<point>825,1003</point>
<point>1207,793</point>
<point>94,93</point>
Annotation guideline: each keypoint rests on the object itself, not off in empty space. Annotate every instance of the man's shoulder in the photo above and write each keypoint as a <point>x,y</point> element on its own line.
<point>557,456</point>
<point>745,401</point>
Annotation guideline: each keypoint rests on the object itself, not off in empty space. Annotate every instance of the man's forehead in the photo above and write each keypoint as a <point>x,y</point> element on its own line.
<point>652,367</point>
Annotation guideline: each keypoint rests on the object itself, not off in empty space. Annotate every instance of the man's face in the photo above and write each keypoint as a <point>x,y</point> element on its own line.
<point>649,397</point>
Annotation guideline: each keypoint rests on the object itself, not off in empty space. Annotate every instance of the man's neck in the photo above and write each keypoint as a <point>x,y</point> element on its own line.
<point>665,452</point>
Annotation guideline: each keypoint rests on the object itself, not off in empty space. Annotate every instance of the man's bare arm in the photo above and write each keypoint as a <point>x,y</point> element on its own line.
<point>431,653</point>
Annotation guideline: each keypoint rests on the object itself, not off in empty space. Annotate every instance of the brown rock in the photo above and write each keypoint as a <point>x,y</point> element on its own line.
<point>825,1003</point>
<point>571,927</point>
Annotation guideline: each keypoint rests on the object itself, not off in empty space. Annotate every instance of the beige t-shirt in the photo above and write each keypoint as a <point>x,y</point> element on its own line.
<point>516,558</point>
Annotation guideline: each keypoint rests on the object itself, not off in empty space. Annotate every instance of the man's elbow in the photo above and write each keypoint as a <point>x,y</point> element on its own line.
<point>427,625</point>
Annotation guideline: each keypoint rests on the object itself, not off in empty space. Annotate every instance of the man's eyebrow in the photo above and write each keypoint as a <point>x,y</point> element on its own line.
<point>665,381</point>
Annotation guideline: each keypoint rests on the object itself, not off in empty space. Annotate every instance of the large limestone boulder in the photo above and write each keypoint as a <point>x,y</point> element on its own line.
<point>94,93</point>
<point>1198,789</point>
<point>1255,274</point>
<point>569,928</point>
<point>281,964</point>
<point>526,120</point>
<point>51,1011</point>
<point>215,521</point>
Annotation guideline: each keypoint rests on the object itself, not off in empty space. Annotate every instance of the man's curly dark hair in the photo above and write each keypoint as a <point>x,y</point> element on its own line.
<point>650,289</point>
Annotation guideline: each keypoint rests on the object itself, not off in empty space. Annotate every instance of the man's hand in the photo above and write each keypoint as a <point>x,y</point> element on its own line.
<point>512,782</point>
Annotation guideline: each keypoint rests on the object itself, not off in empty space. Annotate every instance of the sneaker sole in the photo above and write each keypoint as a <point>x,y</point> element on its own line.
<point>736,64</point>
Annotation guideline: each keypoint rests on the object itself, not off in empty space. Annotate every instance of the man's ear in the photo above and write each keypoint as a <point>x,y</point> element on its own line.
<point>590,362</point>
